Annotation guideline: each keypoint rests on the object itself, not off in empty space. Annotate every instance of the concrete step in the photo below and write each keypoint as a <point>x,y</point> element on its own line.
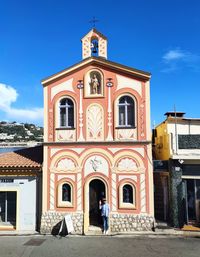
<point>94,230</point>
<point>162,226</point>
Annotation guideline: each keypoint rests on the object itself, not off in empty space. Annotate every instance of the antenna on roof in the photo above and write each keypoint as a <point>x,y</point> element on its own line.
<point>176,135</point>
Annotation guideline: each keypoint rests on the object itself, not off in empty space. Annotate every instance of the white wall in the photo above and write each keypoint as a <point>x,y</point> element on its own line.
<point>26,206</point>
<point>183,129</point>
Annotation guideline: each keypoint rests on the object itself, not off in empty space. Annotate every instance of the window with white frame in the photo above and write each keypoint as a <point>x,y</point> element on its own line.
<point>65,195</point>
<point>66,108</point>
<point>127,196</point>
<point>126,112</point>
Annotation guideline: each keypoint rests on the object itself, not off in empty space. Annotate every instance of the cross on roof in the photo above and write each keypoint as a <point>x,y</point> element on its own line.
<point>94,20</point>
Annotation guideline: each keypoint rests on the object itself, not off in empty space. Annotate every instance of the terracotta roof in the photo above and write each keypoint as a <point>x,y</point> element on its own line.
<point>25,158</point>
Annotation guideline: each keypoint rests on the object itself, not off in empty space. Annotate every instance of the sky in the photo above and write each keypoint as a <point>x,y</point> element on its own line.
<point>39,38</point>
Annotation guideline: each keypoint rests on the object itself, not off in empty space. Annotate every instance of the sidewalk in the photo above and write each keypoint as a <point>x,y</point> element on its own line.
<point>167,232</point>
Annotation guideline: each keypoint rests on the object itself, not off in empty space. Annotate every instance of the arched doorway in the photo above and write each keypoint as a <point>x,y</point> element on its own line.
<point>97,191</point>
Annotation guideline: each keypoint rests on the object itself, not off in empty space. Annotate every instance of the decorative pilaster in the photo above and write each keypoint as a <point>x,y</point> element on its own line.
<point>143,193</point>
<point>52,196</point>
<point>80,87</point>
<point>114,193</point>
<point>109,84</point>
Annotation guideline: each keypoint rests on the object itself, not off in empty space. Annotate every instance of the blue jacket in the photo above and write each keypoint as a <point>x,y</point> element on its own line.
<point>105,209</point>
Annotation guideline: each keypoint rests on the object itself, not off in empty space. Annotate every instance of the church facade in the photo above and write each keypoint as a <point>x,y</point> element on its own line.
<point>97,143</point>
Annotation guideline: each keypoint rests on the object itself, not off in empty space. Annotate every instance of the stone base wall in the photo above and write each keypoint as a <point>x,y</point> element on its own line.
<point>128,222</point>
<point>51,222</point>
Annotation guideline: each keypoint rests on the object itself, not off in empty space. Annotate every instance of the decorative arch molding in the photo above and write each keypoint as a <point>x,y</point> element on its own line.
<point>61,159</point>
<point>127,164</point>
<point>65,164</point>
<point>95,122</point>
<point>128,161</point>
<point>96,151</point>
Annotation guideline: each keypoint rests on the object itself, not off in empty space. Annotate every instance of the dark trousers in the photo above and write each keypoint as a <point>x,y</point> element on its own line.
<point>105,223</point>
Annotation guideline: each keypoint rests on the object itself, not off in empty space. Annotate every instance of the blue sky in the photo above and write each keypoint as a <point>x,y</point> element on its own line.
<point>39,38</point>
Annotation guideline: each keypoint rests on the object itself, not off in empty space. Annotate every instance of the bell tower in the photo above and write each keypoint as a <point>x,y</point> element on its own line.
<point>94,44</point>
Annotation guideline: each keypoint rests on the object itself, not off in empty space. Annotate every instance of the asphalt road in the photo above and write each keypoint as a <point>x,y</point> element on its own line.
<point>105,246</point>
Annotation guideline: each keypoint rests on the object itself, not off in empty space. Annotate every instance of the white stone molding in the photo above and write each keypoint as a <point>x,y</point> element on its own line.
<point>133,177</point>
<point>109,137</point>
<point>114,193</point>
<point>81,138</point>
<point>142,123</point>
<point>54,150</point>
<point>139,150</point>
<point>65,135</point>
<point>77,150</point>
<point>123,82</point>
<point>143,193</point>
<point>65,164</point>
<point>126,134</point>
<point>66,85</point>
<point>72,177</point>
<point>79,191</point>
<point>127,164</point>
<point>52,191</point>
<point>95,129</point>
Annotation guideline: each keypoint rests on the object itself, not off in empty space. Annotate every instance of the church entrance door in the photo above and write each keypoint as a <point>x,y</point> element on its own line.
<point>96,193</point>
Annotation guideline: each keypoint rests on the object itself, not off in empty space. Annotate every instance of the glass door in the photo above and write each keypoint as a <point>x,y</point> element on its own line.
<point>8,202</point>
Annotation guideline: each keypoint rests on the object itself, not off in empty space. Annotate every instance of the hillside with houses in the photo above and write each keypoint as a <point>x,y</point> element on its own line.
<point>11,132</point>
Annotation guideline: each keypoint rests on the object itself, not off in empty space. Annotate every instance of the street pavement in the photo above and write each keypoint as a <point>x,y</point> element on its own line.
<point>99,246</point>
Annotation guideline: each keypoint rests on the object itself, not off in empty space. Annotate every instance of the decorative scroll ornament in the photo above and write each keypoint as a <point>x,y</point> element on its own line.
<point>127,164</point>
<point>126,134</point>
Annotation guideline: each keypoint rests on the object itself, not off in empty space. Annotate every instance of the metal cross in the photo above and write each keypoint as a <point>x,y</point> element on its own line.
<point>94,20</point>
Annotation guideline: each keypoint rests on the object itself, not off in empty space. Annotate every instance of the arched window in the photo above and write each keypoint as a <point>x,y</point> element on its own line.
<point>66,193</point>
<point>66,113</point>
<point>126,112</point>
<point>127,194</point>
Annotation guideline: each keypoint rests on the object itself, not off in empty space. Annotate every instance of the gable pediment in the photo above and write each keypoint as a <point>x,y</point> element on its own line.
<point>99,62</point>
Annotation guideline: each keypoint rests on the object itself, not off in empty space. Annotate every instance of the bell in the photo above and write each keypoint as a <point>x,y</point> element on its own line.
<point>94,50</point>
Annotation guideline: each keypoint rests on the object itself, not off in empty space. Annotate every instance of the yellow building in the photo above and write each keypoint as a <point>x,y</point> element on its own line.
<point>177,141</point>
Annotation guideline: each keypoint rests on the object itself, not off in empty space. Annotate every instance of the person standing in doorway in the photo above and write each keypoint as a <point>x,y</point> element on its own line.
<point>105,210</point>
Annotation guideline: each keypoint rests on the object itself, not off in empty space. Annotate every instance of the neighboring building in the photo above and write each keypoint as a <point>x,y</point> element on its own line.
<point>20,189</point>
<point>97,143</point>
<point>177,140</point>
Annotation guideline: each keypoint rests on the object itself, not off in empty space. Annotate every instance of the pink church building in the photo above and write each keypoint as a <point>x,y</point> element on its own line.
<point>97,143</point>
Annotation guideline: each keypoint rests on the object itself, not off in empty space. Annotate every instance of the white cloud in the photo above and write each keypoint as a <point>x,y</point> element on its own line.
<point>8,95</point>
<point>174,55</point>
<point>176,59</point>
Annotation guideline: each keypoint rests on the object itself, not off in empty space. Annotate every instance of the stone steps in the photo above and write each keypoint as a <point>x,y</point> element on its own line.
<point>94,231</point>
